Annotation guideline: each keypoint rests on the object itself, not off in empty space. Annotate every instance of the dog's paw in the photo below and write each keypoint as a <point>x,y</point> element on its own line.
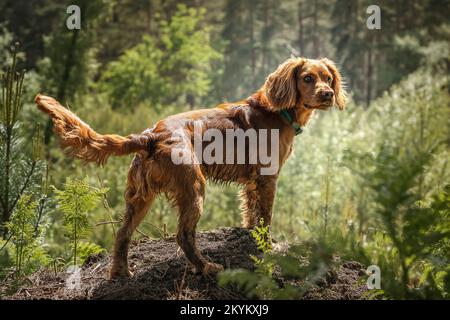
<point>120,274</point>
<point>208,269</point>
<point>212,268</point>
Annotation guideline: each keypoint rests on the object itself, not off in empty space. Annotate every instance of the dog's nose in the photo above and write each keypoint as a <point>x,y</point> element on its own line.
<point>327,94</point>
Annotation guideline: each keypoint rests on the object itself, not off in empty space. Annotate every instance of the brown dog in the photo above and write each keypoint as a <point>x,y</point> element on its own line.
<point>286,101</point>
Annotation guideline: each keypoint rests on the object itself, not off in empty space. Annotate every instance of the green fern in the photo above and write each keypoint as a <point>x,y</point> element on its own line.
<point>259,283</point>
<point>87,249</point>
<point>76,200</point>
<point>261,234</point>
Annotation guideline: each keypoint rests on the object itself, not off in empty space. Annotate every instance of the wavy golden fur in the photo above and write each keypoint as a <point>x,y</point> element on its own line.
<point>299,86</point>
<point>78,140</point>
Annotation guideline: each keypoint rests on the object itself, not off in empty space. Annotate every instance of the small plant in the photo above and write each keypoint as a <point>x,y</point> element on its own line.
<point>259,283</point>
<point>87,249</point>
<point>261,234</point>
<point>21,229</point>
<point>76,200</point>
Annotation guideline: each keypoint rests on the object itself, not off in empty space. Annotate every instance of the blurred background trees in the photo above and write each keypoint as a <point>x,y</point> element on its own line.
<point>369,184</point>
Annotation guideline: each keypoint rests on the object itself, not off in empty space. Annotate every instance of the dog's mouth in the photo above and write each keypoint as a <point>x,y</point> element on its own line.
<point>325,106</point>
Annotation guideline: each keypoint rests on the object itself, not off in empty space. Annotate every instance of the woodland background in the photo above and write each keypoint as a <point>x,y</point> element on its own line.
<point>370,183</point>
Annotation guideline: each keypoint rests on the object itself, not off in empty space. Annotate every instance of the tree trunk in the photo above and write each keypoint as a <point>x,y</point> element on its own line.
<point>356,25</point>
<point>190,99</point>
<point>265,39</point>
<point>252,44</point>
<point>316,49</point>
<point>5,202</point>
<point>149,15</point>
<point>300,30</point>
<point>369,76</point>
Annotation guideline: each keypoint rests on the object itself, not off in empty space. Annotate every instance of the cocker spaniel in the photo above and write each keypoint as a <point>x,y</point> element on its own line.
<point>167,155</point>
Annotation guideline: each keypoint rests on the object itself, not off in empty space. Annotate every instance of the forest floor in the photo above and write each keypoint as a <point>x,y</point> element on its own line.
<point>161,272</point>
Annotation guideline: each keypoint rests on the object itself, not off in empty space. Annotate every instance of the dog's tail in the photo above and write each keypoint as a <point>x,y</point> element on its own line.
<point>80,141</point>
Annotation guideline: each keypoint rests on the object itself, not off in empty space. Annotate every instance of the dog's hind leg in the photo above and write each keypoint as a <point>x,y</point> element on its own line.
<point>135,213</point>
<point>190,206</point>
<point>137,205</point>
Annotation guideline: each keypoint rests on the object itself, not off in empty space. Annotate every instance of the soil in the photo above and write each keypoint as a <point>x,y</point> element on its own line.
<point>161,272</point>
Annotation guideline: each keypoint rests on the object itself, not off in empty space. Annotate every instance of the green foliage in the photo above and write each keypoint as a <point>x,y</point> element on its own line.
<point>255,285</point>
<point>87,249</point>
<point>161,69</point>
<point>134,77</point>
<point>24,179</point>
<point>188,53</point>
<point>20,150</point>
<point>76,200</point>
<point>415,264</point>
<point>406,168</point>
<point>261,234</point>
<point>303,265</point>
<point>25,241</point>
<point>69,62</point>
<point>435,241</point>
<point>6,56</point>
<point>260,282</point>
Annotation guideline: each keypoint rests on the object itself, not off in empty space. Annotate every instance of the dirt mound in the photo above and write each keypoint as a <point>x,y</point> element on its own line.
<point>161,272</point>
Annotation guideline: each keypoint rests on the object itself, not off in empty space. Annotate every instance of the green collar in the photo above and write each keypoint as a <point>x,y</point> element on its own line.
<point>295,125</point>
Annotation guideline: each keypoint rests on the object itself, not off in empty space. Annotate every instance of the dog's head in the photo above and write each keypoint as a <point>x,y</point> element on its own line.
<point>307,83</point>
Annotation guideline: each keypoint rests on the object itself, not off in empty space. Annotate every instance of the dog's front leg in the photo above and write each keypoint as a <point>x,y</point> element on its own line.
<point>257,201</point>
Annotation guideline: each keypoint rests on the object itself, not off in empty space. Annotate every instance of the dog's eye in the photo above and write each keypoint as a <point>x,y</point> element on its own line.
<point>308,79</point>
<point>330,80</point>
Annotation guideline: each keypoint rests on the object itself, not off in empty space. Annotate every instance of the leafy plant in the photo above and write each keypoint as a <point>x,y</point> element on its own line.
<point>261,234</point>
<point>416,264</point>
<point>21,229</point>
<point>76,200</point>
<point>20,167</point>
<point>260,282</point>
<point>87,249</point>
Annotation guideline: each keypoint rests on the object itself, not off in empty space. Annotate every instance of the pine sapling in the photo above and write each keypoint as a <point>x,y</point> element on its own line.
<point>21,229</point>
<point>19,170</point>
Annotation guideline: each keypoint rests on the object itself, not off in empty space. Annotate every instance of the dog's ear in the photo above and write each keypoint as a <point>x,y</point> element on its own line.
<point>281,86</point>
<point>337,85</point>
